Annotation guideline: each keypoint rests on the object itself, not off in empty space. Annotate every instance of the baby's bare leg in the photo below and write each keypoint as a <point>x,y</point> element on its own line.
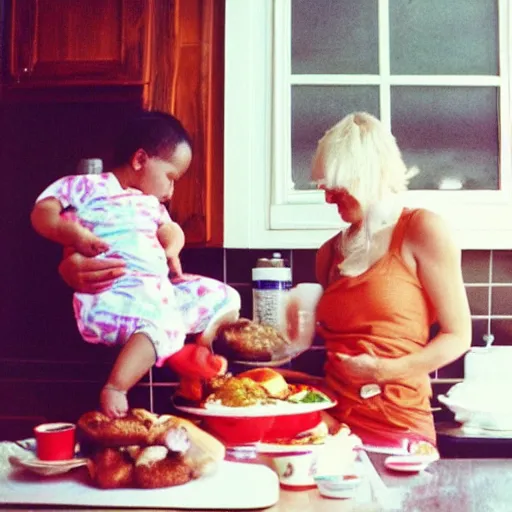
<point>132,363</point>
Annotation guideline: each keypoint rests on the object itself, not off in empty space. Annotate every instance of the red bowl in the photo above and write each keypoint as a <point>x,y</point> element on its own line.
<point>240,431</point>
<point>291,425</point>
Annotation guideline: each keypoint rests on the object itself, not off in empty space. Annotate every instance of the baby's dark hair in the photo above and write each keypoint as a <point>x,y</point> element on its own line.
<point>157,133</point>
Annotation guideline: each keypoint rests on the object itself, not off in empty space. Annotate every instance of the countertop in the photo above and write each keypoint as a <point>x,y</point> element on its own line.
<point>458,485</point>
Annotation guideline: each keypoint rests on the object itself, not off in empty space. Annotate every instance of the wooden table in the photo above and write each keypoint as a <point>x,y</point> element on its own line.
<point>449,485</point>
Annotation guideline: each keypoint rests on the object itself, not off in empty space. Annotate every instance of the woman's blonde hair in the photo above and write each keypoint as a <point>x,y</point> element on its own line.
<point>361,155</point>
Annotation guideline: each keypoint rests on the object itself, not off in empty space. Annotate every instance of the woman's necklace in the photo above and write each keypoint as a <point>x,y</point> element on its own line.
<point>362,245</point>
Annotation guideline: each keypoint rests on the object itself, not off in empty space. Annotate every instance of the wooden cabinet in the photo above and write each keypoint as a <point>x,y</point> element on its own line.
<point>188,81</point>
<point>73,42</point>
<point>160,54</point>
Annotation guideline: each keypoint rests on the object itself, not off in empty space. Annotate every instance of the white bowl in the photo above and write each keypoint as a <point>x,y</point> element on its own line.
<point>338,486</point>
<point>478,407</point>
<point>296,470</point>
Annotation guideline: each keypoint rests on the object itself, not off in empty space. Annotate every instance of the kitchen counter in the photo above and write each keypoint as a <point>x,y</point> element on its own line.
<point>458,485</point>
<point>457,441</point>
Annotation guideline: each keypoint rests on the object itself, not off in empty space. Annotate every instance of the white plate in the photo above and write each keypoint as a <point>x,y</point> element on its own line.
<point>256,411</point>
<point>275,448</point>
<point>409,463</point>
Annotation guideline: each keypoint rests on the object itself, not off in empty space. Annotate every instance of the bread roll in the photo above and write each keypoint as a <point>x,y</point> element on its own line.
<point>169,450</point>
<point>111,468</point>
<point>246,340</point>
<point>156,467</point>
<point>133,429</point>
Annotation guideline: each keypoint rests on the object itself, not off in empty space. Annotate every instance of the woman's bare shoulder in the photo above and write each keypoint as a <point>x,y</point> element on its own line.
<point>429,233</point>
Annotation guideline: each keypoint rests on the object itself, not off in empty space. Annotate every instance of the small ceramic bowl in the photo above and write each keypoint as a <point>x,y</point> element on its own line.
<point>338,486</point>
<point>296,470</point>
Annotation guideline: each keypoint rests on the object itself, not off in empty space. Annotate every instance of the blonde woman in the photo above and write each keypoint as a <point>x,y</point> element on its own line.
<point>387,278</point>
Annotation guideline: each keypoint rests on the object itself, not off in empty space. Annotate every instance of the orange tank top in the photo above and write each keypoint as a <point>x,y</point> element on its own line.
<point>384,312</point>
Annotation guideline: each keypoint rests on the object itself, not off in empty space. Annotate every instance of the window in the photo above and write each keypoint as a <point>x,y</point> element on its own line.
<point>436,72</point>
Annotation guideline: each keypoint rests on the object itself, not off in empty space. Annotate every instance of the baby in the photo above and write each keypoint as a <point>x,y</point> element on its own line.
<point>120,214</point>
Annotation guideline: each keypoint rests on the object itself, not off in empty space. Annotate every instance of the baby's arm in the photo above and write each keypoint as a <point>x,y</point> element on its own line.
<point>172,238</point>
<point>47,220</point>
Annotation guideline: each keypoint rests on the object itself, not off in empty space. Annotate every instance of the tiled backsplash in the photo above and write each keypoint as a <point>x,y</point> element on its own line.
<point>487,276</point>
<point>50,373</point>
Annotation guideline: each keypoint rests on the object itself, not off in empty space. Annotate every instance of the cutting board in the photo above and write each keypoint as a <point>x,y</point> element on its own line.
<point>234,486</point>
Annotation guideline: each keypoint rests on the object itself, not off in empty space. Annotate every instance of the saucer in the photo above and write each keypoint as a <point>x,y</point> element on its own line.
<point>409,463</point>
<point>46,467</point>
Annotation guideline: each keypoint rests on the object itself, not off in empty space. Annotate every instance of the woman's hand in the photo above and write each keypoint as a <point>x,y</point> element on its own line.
<point>88,244</point>
<point>360,369</point>
<point>89,275</point>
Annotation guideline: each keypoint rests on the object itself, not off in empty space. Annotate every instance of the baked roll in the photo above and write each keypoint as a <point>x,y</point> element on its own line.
<point>245,340</point>
<point>146,450</point>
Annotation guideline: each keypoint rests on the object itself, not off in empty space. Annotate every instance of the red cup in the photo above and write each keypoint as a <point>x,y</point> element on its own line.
<point>55,441</point>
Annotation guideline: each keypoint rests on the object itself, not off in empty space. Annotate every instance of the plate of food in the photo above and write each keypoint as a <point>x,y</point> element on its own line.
<point>258,392</point>
<point>255,405</point>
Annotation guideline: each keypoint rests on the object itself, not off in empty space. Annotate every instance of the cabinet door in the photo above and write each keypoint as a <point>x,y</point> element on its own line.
<point>188,82</point>
<point>79,42</point>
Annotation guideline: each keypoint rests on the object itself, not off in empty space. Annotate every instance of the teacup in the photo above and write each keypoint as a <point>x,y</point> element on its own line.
<point>296,470</point>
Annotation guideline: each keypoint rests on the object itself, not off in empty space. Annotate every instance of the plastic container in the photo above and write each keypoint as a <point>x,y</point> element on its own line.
<point>338,486</point>
<point>271,282</point>
<point>90,166</point>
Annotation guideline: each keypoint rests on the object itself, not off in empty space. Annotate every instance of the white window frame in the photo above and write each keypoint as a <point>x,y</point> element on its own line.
<point>261,209</point>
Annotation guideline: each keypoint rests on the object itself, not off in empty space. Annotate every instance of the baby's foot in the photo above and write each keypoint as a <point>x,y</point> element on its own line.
<point>113,402</point>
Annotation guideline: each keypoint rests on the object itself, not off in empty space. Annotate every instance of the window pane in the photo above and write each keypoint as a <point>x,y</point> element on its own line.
<point>444,37</point>
<point>450,133</point>
<point>335,37</point>
<point>314,110</point>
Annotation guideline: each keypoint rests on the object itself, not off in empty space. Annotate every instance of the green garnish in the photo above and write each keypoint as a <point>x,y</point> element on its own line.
<point>308,397</point>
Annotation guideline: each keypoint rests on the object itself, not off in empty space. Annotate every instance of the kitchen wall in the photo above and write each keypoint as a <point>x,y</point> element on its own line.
<point>44,366</point>
<point>48,373</point>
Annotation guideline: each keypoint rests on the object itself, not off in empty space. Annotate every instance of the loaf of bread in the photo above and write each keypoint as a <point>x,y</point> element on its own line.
<point>138,427</point>
<point>245,340</point>
<point>147,450</point>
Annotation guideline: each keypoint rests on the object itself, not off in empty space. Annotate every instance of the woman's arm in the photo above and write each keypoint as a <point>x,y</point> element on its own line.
<point>430,252</point>
<point>438,266</point>
<point>89,275</point>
